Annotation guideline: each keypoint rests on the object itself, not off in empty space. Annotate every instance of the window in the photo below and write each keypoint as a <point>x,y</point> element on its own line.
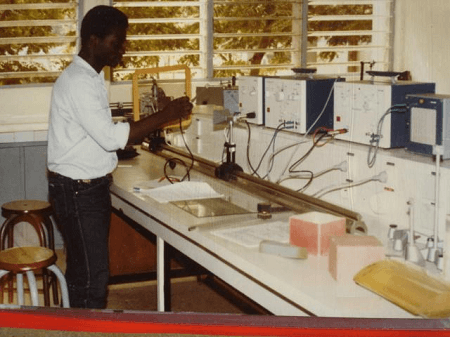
<point>256,37</point>
<point>163,33</point>
<point>38,39</point>
<point>214,38</point>
<point>344,35</point>
<point>222,38</point>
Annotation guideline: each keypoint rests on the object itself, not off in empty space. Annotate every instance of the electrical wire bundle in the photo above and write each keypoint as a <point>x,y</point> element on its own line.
<point>319,134</point>
<point>381,177</point>
<point>307,131</point>
<point>375,137</point>
<point>280,127</point>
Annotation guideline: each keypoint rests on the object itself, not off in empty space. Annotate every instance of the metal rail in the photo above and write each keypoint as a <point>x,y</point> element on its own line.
<point>295,201</point>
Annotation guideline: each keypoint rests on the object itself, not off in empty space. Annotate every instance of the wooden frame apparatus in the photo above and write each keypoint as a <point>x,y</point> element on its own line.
<point>157,70</point>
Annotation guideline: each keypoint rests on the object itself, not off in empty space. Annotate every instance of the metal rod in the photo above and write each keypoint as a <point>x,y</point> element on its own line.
<point>284,196</point>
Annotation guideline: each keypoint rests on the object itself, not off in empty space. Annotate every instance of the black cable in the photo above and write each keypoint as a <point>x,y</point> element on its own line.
<point>271,162</point>
<point>277,130</point>
<point>248,151</point>
<point>309,180</point>
<point>168,163</point>
<point>375,138</point>
<point>298,162</point>
<point>173,161</point>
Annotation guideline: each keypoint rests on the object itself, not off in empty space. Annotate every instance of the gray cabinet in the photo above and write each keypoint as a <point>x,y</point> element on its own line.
<point>35,167</point>
<point>23,176</point>
<point>12,179</point>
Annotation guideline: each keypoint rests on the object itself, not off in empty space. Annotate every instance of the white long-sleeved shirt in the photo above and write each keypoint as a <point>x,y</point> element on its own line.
<point>82,138</point>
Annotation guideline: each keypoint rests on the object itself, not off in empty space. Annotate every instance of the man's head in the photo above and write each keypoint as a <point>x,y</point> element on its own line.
<point>103,34</point>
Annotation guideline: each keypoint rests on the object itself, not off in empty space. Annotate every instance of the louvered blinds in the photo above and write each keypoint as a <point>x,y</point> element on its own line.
<point>256,37</point>
<point>163,33</point>
<point>38,39</point>
<point>344,34</point>
<point>223,38</point>
<point>214,38</point>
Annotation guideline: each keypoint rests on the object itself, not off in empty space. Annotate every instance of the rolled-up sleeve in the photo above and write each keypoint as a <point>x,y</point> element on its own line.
<point>122,131</point>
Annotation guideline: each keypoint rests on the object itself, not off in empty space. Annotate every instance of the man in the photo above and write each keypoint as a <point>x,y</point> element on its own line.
<point>82,144</point>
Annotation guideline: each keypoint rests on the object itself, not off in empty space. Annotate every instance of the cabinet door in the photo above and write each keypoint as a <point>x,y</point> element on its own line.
<point>12,183</point>
<point>35,172</point>
<point>130,252</point>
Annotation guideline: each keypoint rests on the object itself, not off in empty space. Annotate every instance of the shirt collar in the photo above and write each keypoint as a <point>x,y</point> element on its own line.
<point>79,61</point>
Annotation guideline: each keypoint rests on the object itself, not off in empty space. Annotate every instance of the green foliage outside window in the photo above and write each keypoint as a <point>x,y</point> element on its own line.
<point>247,37</point>
<point>37,40</point>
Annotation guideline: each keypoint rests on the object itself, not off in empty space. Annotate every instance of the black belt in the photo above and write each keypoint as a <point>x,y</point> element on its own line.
<point>51,174</point>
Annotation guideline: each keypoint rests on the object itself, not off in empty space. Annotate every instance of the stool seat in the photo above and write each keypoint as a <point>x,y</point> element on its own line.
<point>26,207</point>
<point>21,259</point>
<point>27,260</point>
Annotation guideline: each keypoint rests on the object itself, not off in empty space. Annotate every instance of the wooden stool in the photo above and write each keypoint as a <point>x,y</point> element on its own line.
<point>20,260</point>
<point>37,213</point>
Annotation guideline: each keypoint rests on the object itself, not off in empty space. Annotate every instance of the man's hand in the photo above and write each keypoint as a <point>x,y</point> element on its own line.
<point>174,111</point>
<point>178,108</point>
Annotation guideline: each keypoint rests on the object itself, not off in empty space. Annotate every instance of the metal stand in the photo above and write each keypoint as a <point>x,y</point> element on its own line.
<point>227,170</point>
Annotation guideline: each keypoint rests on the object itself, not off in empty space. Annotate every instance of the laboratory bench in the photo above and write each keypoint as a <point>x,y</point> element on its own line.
<point>283,286</point>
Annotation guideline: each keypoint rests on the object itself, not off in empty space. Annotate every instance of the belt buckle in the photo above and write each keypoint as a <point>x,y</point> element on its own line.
<point>86,181</point>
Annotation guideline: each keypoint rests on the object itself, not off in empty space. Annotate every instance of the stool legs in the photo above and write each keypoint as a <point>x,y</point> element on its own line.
<point>41,224</point>
<point>51,244</point>
<point>38,214</point>
<point>33,286</point>
<point>8,230</point>
<point>20,298</point>
<point>63,285</point>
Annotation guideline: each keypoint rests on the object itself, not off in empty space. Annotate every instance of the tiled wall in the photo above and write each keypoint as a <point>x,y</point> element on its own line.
<point>23,136</point>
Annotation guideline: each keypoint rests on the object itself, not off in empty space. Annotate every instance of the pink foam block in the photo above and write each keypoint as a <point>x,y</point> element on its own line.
<point>313,231</point>
<point>350,253</point>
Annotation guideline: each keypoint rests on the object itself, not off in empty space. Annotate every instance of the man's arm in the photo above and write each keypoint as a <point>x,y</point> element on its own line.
<point>175,110</point>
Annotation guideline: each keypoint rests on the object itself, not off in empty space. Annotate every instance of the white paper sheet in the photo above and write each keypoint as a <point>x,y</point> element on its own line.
<point>185,190</point>
<point>251,236</point>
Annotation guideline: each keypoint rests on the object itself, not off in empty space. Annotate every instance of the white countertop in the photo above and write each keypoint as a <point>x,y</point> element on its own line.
<point>306,283</point>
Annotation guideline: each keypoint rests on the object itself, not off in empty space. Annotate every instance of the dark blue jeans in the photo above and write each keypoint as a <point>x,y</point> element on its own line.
<point>83,213</point>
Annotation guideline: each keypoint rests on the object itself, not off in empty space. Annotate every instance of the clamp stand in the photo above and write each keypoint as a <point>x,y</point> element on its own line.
<point>227,170</point>
<point>156,141</point>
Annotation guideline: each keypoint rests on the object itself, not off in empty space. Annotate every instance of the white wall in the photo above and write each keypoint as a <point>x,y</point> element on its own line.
<point>25,105</point>
<point>421,41</point>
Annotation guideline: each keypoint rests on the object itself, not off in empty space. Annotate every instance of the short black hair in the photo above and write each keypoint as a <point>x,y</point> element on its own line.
<point>100,21</point>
